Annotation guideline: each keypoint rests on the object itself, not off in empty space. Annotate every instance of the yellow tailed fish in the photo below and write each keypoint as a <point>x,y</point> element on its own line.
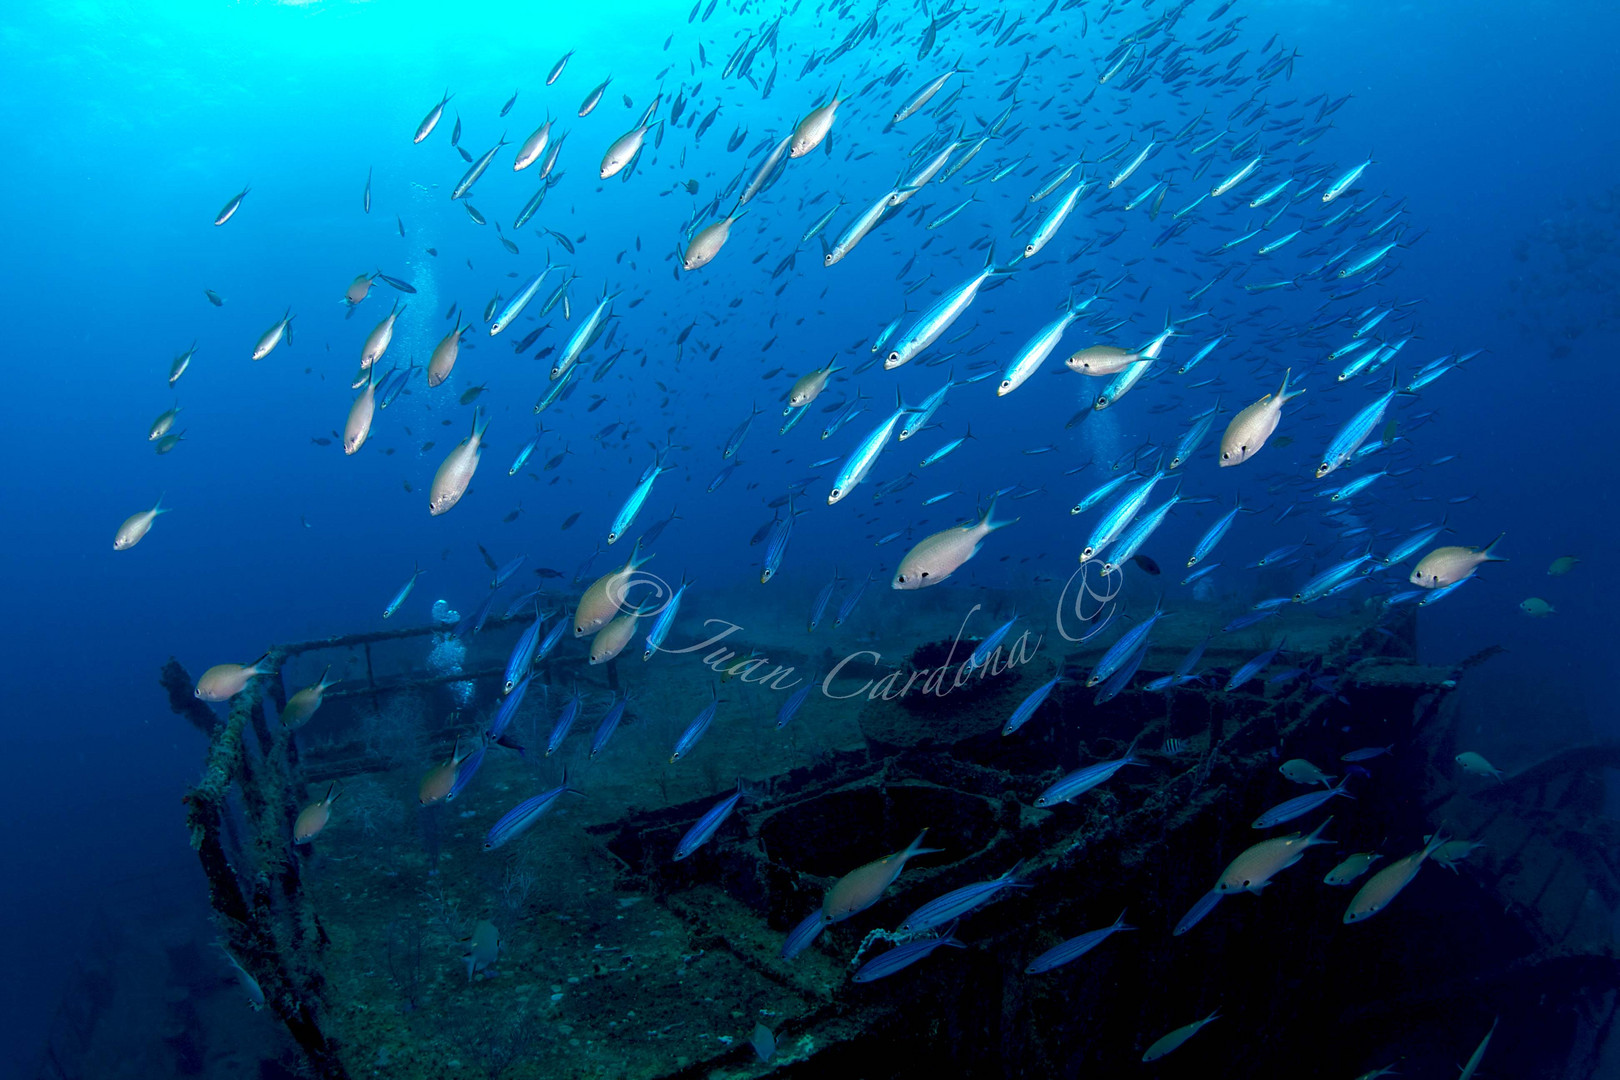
<point>302,705</point>
<point>1253,870</point>
<point>605,598</point>
<point>314,817</point>
<point>612,638</point>
<point>436,785</point>
<point>1167,1043</point>
<point>224,681</point>
<point>1352,868</point>
<point>136,526</point>
<point>864,886</point>
<point>1250,429</point>
<point>1387,884</point>
<point>1448,565</point>
<point>937,557</point>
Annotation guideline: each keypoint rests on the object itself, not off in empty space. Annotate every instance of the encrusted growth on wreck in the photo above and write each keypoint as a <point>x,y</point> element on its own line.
<point>617,959</point>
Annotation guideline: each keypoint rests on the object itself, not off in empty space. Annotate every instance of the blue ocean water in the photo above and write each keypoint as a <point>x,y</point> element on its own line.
<point>130,125</point>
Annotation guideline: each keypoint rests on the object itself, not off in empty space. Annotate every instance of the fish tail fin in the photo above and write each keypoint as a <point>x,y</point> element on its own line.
<point>480,424</point>
<point>1283,396</point>
<point>989,519</point>
<point>569,790</point>
<point>915,847</point>
<point>990,263</point>
<point>1130,751</point>
<point>1490,548</point>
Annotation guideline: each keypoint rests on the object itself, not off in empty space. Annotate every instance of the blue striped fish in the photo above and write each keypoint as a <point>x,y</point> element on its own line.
<point>987,647</point>
<point>565,720</point>
<point>694,731</point>
<point>609,724</point>
<point>800,937</point>
<point>1120,679</point>
<point>1355,432</point>
<point>776,546</point>
<point>467,770</point>
<point>820,607</point>
<point>1196,913</point>
<point>1119,516</point>
<point>706,826</point>
<point>1255,666</point>
<point>851,600</point>
<point>791,705</point>
<point>1097,495</point>
<point>1299,806</point>
<point>903,956</point>
<point>1028,707</point>
<point>958,902</point>
<point>517,664</point>
<point>1128,643</point>
<point>399,597</point>
<point>516,820</point>
<point>1083,780</point>
<point>666,619</point>
<point>549,642</point>
<point>1215,534</point>
<point>508,708</point>
<point>1075,947</point>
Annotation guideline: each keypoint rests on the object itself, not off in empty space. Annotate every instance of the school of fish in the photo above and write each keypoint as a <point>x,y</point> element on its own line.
<point>1143,174</point>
